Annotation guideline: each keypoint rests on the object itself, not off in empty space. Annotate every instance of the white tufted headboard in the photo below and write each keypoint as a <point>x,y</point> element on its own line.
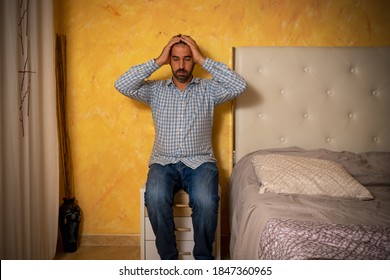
<point>337,98</point>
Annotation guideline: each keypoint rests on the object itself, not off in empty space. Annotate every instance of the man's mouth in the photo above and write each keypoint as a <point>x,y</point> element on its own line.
<point>181,72</point>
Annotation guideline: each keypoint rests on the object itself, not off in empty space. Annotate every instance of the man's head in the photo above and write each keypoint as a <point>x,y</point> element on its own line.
<point>181,62</point>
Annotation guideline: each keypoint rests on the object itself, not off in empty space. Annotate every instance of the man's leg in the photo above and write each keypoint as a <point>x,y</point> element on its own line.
<point>202,187</point>
<point>160,190</point>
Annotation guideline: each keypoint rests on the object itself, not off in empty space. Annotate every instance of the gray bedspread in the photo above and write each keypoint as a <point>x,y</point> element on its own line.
<point>288,239</point>
<point>250,211</point>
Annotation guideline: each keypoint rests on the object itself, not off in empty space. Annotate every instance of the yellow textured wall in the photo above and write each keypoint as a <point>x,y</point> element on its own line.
<point>112,135</point>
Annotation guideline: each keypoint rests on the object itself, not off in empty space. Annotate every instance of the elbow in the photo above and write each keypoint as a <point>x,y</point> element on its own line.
<point>122,88</point>
<point>118,86</point>
<point>242,87</point>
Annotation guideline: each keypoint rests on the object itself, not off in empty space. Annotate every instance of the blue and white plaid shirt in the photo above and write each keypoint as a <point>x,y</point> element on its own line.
<point>183,120</point>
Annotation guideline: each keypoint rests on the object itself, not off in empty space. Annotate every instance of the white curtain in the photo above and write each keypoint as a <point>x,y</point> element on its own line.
<point>29,173</point>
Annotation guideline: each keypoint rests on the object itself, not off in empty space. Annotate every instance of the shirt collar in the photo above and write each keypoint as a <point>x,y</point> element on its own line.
<point>193,81</point>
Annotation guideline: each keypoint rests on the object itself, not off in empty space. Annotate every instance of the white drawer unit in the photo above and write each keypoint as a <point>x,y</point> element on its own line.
<point>183,230</point>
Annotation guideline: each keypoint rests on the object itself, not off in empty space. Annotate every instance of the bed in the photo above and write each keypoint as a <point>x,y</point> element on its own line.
<point>311,175</point>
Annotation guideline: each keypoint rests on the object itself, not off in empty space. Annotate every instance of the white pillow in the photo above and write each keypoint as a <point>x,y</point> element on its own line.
<point>285,174</point>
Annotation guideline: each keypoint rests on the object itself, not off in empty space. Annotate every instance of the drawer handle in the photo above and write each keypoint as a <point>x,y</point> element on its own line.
<point>179,205</point>
<point>184,253</point>
<point>181,229</point>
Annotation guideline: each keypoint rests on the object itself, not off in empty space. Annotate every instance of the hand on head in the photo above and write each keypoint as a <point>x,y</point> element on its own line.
<point>197,55</point>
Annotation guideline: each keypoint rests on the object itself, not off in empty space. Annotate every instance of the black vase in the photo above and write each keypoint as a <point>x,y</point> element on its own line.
<point>69,221</point>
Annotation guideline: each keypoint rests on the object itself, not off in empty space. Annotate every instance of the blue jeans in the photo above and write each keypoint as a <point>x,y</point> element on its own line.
<point>201,184</point>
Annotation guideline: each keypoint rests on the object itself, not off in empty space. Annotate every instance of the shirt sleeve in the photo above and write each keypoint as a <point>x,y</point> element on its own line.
<point>225,84</point>
<point>133,83</point>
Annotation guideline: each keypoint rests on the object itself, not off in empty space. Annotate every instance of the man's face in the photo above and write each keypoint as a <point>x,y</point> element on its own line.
<point>182,63</point>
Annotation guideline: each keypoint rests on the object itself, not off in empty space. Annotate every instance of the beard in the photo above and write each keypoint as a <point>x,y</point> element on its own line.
<point>182,75</point>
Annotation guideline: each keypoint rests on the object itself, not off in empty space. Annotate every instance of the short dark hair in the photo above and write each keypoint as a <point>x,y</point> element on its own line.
<point>178,43</point>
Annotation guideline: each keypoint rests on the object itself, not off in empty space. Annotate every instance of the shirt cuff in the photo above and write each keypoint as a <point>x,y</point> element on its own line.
<point>152,65</point>
<point>211,65</point>
<point>208,63</point>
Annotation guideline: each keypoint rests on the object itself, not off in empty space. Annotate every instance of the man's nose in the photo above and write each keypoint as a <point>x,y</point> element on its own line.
<point>181,63</point>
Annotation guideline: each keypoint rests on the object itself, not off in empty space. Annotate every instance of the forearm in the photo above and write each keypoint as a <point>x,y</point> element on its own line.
<point>229,83</point>
<point>132,80</point>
